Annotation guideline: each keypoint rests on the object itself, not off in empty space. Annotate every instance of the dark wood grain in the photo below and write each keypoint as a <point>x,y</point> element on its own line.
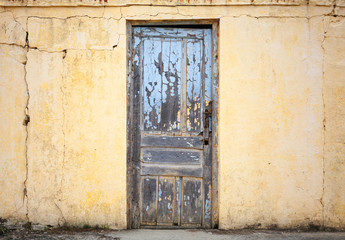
<point>148,200</point>
<point>194,86</point>
<point>171,156</point>
<point>215,84</point>
<point>135,132</point>
<point>171,85</point>
<point>172,141</point>
<point>192,200</point>
<point>169,32</point>
<point>151,84</point>
<point>177,202</point>
<point>171,170</point>
<point>166,199</point>
<point>129,127</point>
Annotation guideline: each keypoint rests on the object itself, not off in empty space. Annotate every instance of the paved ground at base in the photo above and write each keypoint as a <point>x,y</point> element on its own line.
<point>178,235</point>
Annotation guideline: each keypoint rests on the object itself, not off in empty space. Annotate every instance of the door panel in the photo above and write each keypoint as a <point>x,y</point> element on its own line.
<point>171,85</point>
<point>148,199</point>
<point>171,170</point>
<point>192,200</point>
<point>152,87</point>
<point>173,77</point>
<point>172,156</point>
<point>194,86</point>
<point>166,199</point>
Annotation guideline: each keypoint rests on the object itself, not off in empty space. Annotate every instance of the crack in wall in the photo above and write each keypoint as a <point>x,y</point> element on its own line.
<point>48,50</point>
<point>26,123</point>
<point>323,122</point>
<point>62,90</point>
<point>77,16</point>
<point>180,7</point>
<point>62,215</point>
<point>26,120</point>
<point>12,44</point>
<point>334,6</point>
<point>219,16</point>
<point>67,49</point>
<point>14,18</point>
<point>104,4</point>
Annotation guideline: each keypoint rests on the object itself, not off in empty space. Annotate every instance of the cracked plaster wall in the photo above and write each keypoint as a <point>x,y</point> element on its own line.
<point>281,111</point>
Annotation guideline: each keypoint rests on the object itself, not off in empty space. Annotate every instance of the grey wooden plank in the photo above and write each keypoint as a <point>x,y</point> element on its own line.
<point>166,199</point>
<point>207,185</point>
<point>135,132</point>
<point>208,64</point>
<point>171,156</point>
<point>148,199</point>
<point>184,90</point>
<point>168,32</point>
<point>171,85</point>
<point>173,227</point>
<point>207,177</point>
<point>177,202</point>
<point>194,86</point>
<point>172,141</point>
<point>192,201</point>
<point>152,88</point>
<point>171,170</point>
<point>129,127</point>
<point>215,84</point>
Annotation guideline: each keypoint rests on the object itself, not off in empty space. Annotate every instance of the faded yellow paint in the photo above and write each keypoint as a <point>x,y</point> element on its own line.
<point>281,79</point>
<point>334,94</point>
<point>266,120</point>
<point>12,142</point>
<point>92,198</point>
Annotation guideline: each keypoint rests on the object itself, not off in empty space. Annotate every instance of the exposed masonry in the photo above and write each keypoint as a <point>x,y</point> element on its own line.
<point>26,120</point>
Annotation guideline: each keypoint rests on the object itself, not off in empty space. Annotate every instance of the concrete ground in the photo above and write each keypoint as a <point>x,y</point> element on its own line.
<point>176,234</point>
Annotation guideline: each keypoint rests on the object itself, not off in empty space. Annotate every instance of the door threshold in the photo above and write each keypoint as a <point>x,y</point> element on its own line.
<point>171,227</point>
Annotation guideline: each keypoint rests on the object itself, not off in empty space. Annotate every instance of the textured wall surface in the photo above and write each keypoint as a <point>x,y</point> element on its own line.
<point>334,96</point>
<point>271,114</point>
<point>281,106</point>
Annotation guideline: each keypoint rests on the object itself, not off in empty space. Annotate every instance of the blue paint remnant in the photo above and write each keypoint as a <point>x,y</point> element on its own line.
<point>160,192</point>
<point>207,209</point>
<point>151,84</point>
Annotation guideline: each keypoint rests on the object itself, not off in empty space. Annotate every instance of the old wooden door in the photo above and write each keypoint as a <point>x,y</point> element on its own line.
<point>172,96</point>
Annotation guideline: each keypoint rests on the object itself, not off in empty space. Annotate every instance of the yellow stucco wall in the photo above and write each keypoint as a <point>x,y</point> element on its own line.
<point>281,110</point>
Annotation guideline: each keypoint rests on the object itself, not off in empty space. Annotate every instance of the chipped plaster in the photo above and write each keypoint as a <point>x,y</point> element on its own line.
<point>98,189</point>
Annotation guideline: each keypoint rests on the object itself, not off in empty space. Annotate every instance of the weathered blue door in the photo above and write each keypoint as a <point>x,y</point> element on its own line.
<point>172,77</point>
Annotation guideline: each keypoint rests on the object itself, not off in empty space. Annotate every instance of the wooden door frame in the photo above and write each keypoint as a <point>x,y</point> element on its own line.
<point>133,167</point>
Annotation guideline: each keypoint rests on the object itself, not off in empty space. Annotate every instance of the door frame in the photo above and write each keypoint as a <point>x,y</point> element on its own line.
<point>133,167</point>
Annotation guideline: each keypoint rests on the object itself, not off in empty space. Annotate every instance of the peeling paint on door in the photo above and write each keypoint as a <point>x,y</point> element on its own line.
<point>173,70</point>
